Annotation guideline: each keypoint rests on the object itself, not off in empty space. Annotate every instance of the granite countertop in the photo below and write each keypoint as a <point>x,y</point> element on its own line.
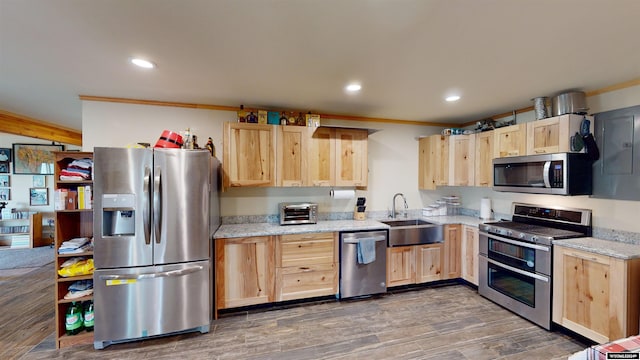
<point>267,229</point>
<point>616,249</point>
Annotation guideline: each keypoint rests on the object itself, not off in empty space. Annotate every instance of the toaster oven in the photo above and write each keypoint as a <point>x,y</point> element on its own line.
<point>298,213</point>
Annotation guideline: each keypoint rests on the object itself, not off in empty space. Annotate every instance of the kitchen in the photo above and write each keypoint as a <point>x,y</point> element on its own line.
<point>392,151</point>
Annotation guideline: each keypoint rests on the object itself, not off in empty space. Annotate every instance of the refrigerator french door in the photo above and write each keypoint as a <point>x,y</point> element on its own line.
<point>152,233</point>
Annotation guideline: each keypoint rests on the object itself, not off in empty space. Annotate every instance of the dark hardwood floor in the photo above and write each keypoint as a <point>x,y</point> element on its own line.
<point>446,322</point>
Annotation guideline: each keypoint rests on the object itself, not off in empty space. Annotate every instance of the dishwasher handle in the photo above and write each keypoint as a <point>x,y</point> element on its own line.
<point>357,240</point>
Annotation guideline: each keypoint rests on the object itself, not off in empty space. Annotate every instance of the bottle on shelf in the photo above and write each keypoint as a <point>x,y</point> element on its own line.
<point>74,322</point>
<point>242,114</point>
<point>88,315</point>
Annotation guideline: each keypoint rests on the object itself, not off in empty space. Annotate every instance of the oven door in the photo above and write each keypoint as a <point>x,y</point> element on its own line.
<point>516,275</point>
<point>525,256</point>
<point>524,293</point>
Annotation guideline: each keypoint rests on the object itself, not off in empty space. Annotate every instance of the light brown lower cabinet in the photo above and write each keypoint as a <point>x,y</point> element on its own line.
<point>469,254</point>
<point>596,296</point>
<point>414,264</point>
<point>265,269</point>
<point>452,251</point>
<point>244,271</point>
<point>306,265</point>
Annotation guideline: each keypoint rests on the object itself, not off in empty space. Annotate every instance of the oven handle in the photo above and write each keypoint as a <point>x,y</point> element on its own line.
<point>515,242</point>
<point>516,270</point>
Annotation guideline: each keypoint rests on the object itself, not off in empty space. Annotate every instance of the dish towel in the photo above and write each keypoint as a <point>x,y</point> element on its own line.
<point>366,249</point>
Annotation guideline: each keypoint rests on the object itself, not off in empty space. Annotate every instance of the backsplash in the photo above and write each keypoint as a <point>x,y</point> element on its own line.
<point>601,233</point>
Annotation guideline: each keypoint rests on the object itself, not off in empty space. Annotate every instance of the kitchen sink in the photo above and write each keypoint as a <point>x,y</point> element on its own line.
<point>413,232</point>
<point>413,222</point>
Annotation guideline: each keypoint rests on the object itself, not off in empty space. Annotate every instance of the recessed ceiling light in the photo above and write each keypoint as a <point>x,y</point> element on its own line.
<point>353,87</point>
<point>452,98</point>
<point>143,63</point>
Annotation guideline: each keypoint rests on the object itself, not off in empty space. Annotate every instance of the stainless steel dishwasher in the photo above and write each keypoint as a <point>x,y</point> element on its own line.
<point>362,279</point>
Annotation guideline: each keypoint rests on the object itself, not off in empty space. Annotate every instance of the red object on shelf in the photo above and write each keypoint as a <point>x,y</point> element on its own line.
<point>169,139</point>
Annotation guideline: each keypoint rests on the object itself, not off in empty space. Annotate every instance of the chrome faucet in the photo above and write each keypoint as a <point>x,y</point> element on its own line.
<point>393,205</point>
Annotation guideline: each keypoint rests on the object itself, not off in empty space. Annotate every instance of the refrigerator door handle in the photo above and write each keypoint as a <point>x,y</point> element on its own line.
<point>157,203</point>
<point>146,210</point>
<point>170,273</point>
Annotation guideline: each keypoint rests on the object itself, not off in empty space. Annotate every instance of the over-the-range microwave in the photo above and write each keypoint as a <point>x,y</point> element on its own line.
<point>557,174</point>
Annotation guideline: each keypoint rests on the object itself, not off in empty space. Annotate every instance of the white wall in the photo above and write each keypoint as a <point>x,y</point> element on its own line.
<point>393,159</point>
<point>609,214</point>
<point>393,155</point>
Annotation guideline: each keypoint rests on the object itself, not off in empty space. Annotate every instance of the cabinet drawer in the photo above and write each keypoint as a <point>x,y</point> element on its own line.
<point>299,282</point>
<point>310,249</point>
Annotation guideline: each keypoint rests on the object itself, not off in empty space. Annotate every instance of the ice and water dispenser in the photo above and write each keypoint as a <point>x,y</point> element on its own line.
<point>118,215</point>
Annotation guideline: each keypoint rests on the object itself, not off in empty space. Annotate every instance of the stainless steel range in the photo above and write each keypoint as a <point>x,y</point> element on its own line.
<point>516,257</point>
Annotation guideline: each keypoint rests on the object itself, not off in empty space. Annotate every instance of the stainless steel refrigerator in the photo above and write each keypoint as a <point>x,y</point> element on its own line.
<point>155,211</point>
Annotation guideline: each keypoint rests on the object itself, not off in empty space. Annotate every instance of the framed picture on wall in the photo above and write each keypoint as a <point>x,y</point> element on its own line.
<point>39,181</point>
<point>34,158</point>
<point>4,167</point>
<point>5,155</point>
<point>5,194</point>
<point>5,180</point>
<point>38,196</point>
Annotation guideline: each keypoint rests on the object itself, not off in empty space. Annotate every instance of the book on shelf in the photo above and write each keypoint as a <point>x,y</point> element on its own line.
<point>60,199</point>
<point>80,197</point>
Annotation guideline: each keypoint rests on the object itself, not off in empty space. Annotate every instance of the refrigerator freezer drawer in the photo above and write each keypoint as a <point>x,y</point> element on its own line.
<point>139,302</point>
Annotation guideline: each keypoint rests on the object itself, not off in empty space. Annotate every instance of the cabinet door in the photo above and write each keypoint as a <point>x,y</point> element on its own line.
<point>452,252</point>
<point>322,158</point>
<point>544,136</point>
<point>441,156</point>
<point>461,160</point>
<point>470,254</point>
<point>351,157</point>
<point>400,266</point>
<point>484,157</point>
<point>426,167</point>
<point>429,262</point>
<point>582,293</point>
<point>244,271</point>
<point>249,155</point>
<point>510,141</point>
<point>595,295</point>
<point>553,135</point>
<point>306,249</point>
<point>292,155</point>
<point>301,282</point>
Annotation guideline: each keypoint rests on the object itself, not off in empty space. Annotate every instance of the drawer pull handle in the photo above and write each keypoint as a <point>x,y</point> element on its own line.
<point>305,269</point>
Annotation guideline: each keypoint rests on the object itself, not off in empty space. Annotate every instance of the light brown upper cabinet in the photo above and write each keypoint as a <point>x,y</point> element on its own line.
<point>322,159</point>
<point>338,157</point>
<point>292,146</point>
<point>510,141</point>
<point>433,162</point>
<point>484,157</point>
<point>554,134</point>
<point>351,157</point>
<point>273,155</point>
<point>462,151</point>
<point>249,155</point>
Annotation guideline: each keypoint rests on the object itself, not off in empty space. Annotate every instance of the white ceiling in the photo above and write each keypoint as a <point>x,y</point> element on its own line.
<point>299,54</point>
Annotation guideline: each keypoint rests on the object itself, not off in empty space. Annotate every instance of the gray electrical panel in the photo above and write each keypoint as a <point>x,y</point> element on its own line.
<point>616,175</point>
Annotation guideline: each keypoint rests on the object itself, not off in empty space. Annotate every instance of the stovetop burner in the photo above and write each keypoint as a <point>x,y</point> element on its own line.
<point>534,224</point>
<point>529,232</point>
